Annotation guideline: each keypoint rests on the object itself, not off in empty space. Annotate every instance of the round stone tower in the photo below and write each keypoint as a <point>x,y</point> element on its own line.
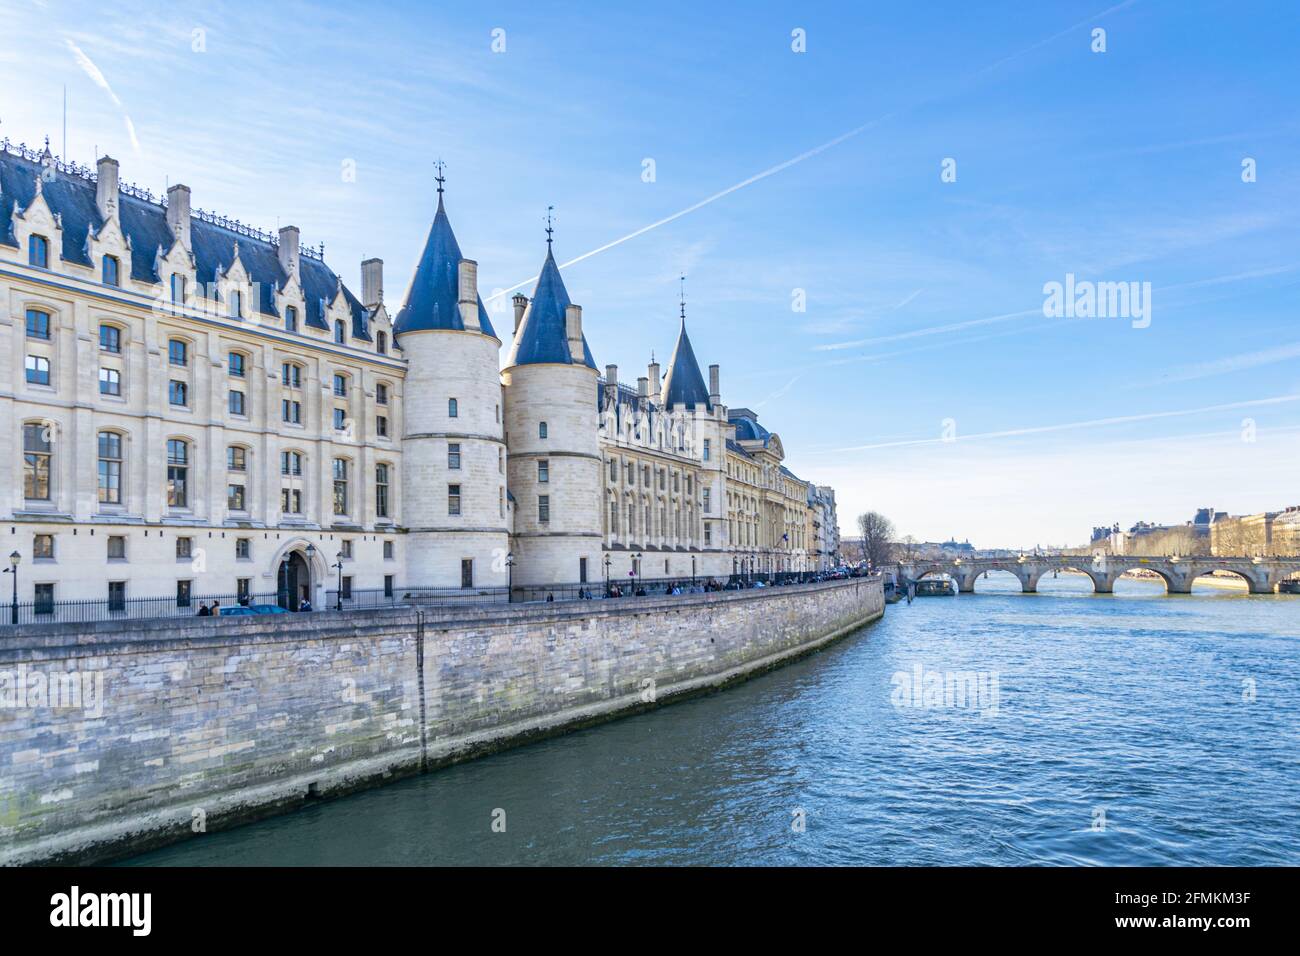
<point>551,426</point>
<point>453,449</point>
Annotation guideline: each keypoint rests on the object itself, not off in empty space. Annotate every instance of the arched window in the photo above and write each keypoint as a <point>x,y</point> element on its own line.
<point>38,251</point>
<point>178,352</point>
<point>541,429</point>
<point>340,332</point>
<point>110,468</point>
<point>37,453</point>
<point>178,473</point>
<point>381,343</point>
<point>112,269</point>
<point>453,410</point>
<point>110,338</point>
<point>38,324</point>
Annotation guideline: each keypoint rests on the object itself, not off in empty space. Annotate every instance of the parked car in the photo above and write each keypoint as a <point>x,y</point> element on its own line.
<point>240,610</point>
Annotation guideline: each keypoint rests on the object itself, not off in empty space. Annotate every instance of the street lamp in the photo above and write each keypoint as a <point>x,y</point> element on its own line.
<point>14,559</point>
<point>636,569</point>
<point>608,562</point>
<point>692,570</point>
<point>510,576</point>
<point>338,595</point>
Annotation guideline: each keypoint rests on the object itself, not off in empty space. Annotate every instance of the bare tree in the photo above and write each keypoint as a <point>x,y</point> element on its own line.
<point>877,536</point>
<point>908,547</point>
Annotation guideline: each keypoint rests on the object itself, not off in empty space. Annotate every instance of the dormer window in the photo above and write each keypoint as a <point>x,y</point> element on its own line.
<point>178,288</point>
<point>340,332</point>
<point>381,343</point>
<point>111,271</point>
<point>236,304</point>
<point>291,319</point>
<point>38,252</point>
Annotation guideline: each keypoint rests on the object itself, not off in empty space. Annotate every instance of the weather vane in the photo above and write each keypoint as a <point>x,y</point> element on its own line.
<point>550,227</point>
<point>683,297</point>
<point>440,178</point>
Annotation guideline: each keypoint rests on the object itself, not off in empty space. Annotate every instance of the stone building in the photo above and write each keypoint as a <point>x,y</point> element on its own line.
<point>203,409</point>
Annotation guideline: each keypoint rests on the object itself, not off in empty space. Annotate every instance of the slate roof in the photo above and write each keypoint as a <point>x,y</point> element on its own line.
<point>72,198</point>
<point>683,383</point>
<point>542,336</point>
<point>735,446</point>
<point>432,301</point>
<point>747,426</point>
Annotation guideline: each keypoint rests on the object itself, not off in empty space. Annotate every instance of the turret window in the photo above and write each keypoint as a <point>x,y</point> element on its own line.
<point>543,471</point>
<point>453,409</point>
<point>453,456</point>
<point>541,429</point>
<point>453,499</point>
<point>544,508</point>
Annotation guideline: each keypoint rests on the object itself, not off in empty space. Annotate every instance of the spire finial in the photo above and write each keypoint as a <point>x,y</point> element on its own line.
<point>440,178</point>
<point>683,297</point>
<point>550,226</point>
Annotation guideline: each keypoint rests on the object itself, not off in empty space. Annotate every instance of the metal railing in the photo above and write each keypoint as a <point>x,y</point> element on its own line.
<point>125,609</point>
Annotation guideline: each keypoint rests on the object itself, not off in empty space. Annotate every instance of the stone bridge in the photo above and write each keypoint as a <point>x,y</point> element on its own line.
<point>1261,574</point>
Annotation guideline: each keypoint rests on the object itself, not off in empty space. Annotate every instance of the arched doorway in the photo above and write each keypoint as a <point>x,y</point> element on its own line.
<point>293,581</point>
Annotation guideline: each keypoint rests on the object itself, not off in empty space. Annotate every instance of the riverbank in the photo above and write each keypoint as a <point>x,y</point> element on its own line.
<point>212,723</point>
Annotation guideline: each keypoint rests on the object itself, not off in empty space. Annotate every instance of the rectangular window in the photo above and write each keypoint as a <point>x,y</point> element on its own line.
<point>236,459</point>
<point>340,486</point>
<point>235,498</point>
<point>236,304</point>
<point>38,252</point>
<point>381,493</point>
<point>184,548</point>
<point>38,370</point>
<point>237,403</point>
<point>381,426</point>
<point>453,499</point>
<point>346,593</point>
<point>706,449</point>
<point>117,595</point>
<point>707,506</point>
<point>44,594</point>
<point>178,393</point>
<point>453,456</point>
<point>243,549</point>
<point>388,585</point>
<point>345,548</point>
<point>291,319</point>
<point>236,363</point>
<point>582,570</point>
<point>340,419</point>
<point>388,550</point>
<point>340,385</point>
<point>543,508</point>
<point>291,501</point>
<point>708,532</point>
<point>43,547</point>
<point>381,394</point>
<point>631,473</point>
<point>453,408</point>
<point>291,375</point>
<point>467,572</point>
<point>178,459</point>
<point>242,589</point>
<point>37,449</point>
<point>291,411</point>
<point>290,463</point>
<point>110,273</point>
<point>110,468</point>
<point>38,324</point>
<point>178,288</point>
<point>110,381</point>
<point>543,471</point>
<point>178,353</point>
<point>613,470</point>
<point>183,592</point>
<point>110,339</point>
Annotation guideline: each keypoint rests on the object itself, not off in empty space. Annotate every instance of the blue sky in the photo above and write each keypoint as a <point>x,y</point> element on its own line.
<point>923,297</point>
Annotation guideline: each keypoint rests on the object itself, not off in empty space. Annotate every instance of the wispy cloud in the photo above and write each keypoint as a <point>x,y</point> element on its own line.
<point>97,77</point>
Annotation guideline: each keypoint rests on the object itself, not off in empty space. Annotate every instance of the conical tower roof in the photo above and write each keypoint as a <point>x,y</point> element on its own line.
<point>543,337</point>
<point>683,384</point>
<point>432,301</point>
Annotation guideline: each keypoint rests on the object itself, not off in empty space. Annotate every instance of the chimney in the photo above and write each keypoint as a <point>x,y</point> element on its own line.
<point>178,213</point>
<point>106,187</point>
<point>372,282</point>
<point>289,245</point>
<point>653,372</point>
<point>521,302</point>
<point>573,330</point>
<point>643,387</point>
<point>715,390</point>
<point>468,295</point>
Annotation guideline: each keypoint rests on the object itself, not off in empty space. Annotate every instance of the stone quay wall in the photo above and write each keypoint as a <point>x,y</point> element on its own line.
<point>116,737</point>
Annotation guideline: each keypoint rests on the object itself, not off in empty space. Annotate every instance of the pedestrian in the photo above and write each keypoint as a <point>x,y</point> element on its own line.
<point>204,610</point>
<point>305,605</point>
<point>216,608</point>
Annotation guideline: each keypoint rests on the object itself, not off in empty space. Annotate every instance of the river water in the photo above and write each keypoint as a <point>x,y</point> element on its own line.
<point>1134,728</point>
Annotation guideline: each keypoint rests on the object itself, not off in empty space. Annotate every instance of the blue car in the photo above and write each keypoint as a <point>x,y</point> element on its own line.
<point>252,609</point>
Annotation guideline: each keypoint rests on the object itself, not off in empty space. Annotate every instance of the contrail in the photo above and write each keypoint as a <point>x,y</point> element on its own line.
<point>1067,426</point>
<point>98,78</point>
<point>809,154</point>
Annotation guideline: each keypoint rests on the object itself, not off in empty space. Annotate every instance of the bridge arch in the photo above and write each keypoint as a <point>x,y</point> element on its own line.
<point>1099,585</point>
<point>1123,568</point>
